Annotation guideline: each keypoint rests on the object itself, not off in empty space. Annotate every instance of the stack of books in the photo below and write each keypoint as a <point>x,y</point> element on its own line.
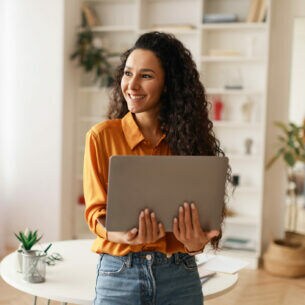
<point>219,18</point>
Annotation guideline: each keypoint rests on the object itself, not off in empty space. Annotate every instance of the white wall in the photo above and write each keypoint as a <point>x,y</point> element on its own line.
<point>297,88</point>
<point>31,116</point>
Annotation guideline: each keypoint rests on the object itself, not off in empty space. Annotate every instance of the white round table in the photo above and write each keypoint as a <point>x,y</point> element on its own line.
<point>73,279</point>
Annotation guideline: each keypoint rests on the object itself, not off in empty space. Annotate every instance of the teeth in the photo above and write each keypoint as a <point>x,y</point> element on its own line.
<point>136,96</point>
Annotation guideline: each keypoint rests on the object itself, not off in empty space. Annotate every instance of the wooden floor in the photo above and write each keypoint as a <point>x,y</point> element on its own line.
<point>253,288</point>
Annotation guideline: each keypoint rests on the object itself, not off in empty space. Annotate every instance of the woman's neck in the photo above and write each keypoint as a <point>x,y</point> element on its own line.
<point>149,126</point>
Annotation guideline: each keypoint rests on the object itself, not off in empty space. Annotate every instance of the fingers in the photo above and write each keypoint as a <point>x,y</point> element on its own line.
<point>155,227</point>
<point>132,234</point>
<point>176,229</point>
<point>181,223</point>
<point>195,219</point>
<point>142,227</point>
<point>161,230</point>
<point>188,221</point>
<point>149,226</point>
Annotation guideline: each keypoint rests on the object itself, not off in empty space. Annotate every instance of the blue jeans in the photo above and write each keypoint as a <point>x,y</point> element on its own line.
<point>148,278</point>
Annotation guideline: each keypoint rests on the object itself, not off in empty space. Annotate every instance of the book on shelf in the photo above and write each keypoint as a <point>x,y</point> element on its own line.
<point>234,243</point>
<point>219,18</point>
<point>90,16</point>
<point>257,11</point>
<point>262,11</point>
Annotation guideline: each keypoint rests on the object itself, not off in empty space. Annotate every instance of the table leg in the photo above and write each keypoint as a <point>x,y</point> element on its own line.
<point>35,300</point>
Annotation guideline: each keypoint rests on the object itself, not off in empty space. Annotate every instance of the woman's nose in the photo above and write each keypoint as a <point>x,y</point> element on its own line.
<point>134,83</point>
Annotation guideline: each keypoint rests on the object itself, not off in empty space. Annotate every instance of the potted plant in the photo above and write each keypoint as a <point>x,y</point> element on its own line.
<point>93,58</point>
<point>30,262</point>
<point>287,257</point>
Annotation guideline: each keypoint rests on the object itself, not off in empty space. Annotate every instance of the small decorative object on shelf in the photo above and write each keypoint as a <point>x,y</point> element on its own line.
<point>233,79</point>
<point>235,180</point>
<point>218,109</point>
<point>92,57</point>
<point>81,200</point>
<point>248,146</point>
<point>247,110</point>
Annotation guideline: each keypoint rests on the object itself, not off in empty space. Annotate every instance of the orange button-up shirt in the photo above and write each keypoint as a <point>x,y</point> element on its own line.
<point>116,137</point>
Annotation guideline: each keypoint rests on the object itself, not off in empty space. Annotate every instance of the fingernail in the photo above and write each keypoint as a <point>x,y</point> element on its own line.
<point>153,215</point>
<point>180,209</point>
<point>134,230</point>
<point>147,211</point>
<point>175,220</point>
<point>193,206</point>
<point>186,205</point>
<point>142,214</point>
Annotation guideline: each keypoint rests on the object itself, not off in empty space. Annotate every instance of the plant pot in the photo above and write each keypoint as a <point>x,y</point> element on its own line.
<point>34,266</point>
<point>295,237</point>
<point>19,260</point>
<point>285,259</point>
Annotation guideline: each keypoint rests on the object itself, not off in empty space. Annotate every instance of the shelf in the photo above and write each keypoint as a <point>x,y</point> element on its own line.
<point>247,189</point>
<point>222,91</point>
<point>234,26</point>
<point>232,124</point>
<point>242,220</point>
<point>111,1</point>
<point>171,30</point>
<point>244,157</point>
<point>112,28</point>
<point>209,59</point>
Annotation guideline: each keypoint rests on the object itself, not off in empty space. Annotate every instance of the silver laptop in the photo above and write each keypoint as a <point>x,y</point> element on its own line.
<point>162,184</point>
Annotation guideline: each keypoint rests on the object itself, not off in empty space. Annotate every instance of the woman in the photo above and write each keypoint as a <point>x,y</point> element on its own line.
<point>158,107</point>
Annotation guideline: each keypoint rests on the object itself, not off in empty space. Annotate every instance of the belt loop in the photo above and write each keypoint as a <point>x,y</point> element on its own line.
<point>128,261</point>
<point>176,258</point>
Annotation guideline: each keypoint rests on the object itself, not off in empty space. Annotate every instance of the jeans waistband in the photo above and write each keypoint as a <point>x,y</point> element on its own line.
<point>156,258</point>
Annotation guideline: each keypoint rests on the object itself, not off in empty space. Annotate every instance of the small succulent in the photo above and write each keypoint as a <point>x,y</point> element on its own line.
<point>28,239</point>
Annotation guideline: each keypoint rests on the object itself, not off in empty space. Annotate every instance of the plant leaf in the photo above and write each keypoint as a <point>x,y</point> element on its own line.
<point>289,158</point>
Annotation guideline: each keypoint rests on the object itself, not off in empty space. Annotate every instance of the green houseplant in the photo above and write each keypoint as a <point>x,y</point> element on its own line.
<point>291,149</point>
<point>27,240</point>
<point>287,257</point>
<point>93,58</point>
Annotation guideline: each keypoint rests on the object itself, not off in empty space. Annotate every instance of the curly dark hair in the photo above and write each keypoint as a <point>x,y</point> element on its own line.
<point>183,115</point>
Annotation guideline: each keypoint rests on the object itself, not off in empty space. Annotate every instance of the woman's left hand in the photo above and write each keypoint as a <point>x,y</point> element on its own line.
<point>188,231</point>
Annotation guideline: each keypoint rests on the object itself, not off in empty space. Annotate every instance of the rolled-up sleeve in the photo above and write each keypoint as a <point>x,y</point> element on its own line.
<point>94,183</point>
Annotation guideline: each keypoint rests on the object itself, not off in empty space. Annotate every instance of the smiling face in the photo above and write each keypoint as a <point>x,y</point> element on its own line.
<point>142,82</point>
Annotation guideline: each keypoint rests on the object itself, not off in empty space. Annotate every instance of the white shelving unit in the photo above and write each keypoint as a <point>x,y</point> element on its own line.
<point>122,21</point>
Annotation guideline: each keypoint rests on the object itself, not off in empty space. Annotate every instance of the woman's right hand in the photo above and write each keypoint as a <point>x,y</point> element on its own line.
<point>149,231</point>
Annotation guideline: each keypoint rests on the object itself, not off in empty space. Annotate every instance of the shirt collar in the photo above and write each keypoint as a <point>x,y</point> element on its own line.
<point>132,131</point>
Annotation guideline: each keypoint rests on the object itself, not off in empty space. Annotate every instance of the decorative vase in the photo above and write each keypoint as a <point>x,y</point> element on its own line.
<point>286,259</point>
<point>19,260</point>
<point>34,266</point>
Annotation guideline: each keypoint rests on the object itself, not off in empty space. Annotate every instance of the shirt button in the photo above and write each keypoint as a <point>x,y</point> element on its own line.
<point>148,257</point>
